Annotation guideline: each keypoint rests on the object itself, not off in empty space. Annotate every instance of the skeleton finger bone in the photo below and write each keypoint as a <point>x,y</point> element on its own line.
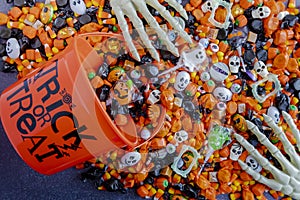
<point>178,8</point>
<point>124,27</point>
<point>138,24</point>
<point>165,14</point>
<point>287,167</point>
<point>286,181</point>
<point>142,8</point>
<point>289,149</point>
<point>278,175</point>
<point>289,120</point>
<point>268,182</point>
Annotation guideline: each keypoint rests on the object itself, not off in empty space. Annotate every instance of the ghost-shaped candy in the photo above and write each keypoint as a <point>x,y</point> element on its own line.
<point>78,6</point>
<point>12,48</point>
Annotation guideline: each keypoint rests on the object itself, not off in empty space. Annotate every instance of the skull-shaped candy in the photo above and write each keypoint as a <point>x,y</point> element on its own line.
<point>192,60</point>
<point>261,12</point>
<point>261,69</point>
<point>273,112</point>
<point>78,6</point>
<point>234,64</point>
<point>182,80</point>
<point>236,151</point>
<point>251,162</point>
<point>12,48</point>
<point>207,6</point>
<point>130,159</point>
<point>154,97</point>
<point>181,136</point>
<point>222,93</point>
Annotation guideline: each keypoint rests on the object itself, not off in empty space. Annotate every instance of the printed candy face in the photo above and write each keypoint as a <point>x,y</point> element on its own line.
<point>234,64</point>
<point>235,151</point>
<point>131,158</point>
<point>261,69</point>
<point>273,112</point>
<point>12,48</point>
<point>261,12</point>
<point>182,81</point>
<point>154,96</point>
<point>122,92</point>
<point>251,162</point>
<point>223,94</point>
<point>78,6</point>
<point>181,136</point>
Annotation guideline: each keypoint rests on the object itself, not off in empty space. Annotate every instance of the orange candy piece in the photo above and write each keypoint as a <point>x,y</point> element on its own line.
<point>29,32</point>
<point>3,18</point>
<point>281,61</point>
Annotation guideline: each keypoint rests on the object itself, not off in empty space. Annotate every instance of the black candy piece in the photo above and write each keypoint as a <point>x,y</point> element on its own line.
<point>103,70</point>
<point>146,59</point>
<point>261,90</point>
<point>9,1</point>
<point>222,34</point>
<point>92,174</point>
<point>5,33</point>
<point>103,92</point>
<point>282,102</point>
<point>256,26</point>
<point>190,191</point>
<point>253,140</point>
<point>16,33</point>
<point>61,3</point>
<point>35,43</point>
<point>84,19</point>
<point>24,43</point>
<point>19,3</point>
<point>262,55</point>
<point>29,3</point>
<point>249,56</point>
<point>113,184</point>
<point>258,123</point>
<point>294,83</point>
<point>59,23</point>
<point>289,21</point>
<point>2,50</point>
<point>5,67</point>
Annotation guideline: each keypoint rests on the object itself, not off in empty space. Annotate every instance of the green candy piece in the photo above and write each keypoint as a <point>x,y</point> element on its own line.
<point>218,135</point>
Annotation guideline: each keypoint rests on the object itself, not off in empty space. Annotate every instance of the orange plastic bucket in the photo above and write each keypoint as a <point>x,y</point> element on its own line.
<point>53,117</point>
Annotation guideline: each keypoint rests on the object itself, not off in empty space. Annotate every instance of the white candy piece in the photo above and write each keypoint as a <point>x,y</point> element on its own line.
<point>286,181</point>
<point>130,159</point>
<point>236,151</point>
<point>154,97</point>
<point>273,112</point>
<point>145,134</point>
<point>261,12</point>
<point>219,71</point>
<point>282,14</point>
<point>207,6</point>
<point>12,48</point>
<point>234,64</point>
<point>222,93</point>
<point>78,6</point>
<point>251,162</point>
<point>192,60</point>
<point>181,136</point>
<point>182,80</point>
<point>261,69</point>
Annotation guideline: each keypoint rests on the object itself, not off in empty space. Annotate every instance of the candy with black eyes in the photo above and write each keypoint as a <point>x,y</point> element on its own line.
<point>78,6</point>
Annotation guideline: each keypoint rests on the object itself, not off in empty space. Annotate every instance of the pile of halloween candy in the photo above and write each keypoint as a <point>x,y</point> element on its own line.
<point>243,63</point>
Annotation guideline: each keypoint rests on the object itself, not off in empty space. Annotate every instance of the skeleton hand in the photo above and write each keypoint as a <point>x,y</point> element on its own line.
<point>128,8</point>
<point>288,180</point>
